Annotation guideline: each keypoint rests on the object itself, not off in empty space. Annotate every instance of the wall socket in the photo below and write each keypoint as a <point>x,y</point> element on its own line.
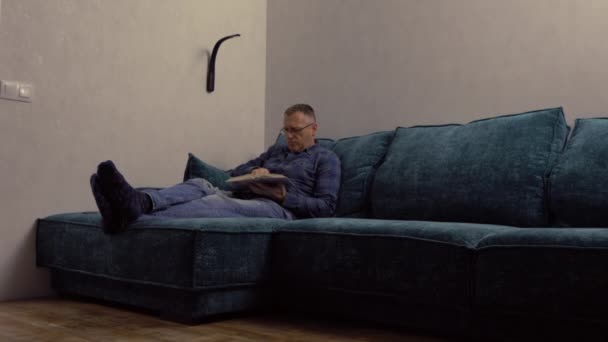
<point>16,91</point>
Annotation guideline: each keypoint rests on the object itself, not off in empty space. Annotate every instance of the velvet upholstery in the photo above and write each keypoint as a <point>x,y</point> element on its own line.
<point>544,272</point>
<point>477,280</point>
<point>579,182</point>
<point>325,304</point>
<point>183,305</point>
<point>196,168</point>
<point>177,253</point>
<point>359,158</point>
<point>426,263</point>
<point>488,171</point>
<point>542,284</point>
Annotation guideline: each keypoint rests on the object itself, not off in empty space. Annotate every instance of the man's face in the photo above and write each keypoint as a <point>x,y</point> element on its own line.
<point>300,131</point>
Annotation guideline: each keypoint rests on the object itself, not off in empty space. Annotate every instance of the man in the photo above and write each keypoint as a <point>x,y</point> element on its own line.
<point>312,191</point>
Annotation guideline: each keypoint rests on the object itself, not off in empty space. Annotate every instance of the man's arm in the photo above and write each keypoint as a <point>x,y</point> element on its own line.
<point>325,195</point>
<point>253,164</point>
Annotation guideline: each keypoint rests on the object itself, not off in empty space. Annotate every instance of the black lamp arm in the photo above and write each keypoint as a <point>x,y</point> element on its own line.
<point>211,70</point>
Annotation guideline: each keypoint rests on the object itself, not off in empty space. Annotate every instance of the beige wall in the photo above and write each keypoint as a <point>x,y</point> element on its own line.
<point>125,80</point>
<point>121,80</point>
<point>373,65</point>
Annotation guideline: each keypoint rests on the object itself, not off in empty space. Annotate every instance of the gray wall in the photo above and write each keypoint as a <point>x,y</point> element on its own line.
<point>121,80</point>
<point>373,65</point>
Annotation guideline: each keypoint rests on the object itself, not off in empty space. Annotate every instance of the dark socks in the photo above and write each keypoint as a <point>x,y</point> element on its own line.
<point>126,204</point>
<point>105,209</point>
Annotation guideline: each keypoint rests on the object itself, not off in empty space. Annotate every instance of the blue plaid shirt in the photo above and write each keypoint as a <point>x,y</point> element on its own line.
<point>314,175</point>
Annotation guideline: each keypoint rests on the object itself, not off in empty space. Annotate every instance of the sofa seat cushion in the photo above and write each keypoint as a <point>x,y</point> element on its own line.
<point>180,253</point>
<point>579,182</point>
<point>544,271</point>
<point>488,171</point>
<point>423,262</point>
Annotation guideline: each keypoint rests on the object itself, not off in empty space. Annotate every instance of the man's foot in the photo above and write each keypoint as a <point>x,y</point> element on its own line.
<point>127,204</point>
<point>105,209</point>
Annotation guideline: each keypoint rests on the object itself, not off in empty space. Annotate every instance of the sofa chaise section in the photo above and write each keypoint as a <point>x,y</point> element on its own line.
<point>185,269</point>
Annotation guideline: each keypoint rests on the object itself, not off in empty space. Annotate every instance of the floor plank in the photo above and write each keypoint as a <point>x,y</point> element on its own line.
<point>55,319</point>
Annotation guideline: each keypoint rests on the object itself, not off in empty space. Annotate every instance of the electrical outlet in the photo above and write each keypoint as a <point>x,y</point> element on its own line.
<point>16,91</point>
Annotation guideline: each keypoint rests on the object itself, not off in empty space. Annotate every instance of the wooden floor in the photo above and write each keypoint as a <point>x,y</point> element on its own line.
<point>71,320</point>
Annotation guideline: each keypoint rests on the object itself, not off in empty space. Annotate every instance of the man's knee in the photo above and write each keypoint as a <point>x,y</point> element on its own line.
<point>200,182</point>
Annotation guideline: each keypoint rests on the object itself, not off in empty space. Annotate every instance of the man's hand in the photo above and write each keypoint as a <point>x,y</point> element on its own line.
<point>275,192</point>
<point>260,171</point>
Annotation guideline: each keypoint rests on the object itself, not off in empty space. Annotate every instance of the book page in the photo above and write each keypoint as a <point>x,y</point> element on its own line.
<point>272,178</point>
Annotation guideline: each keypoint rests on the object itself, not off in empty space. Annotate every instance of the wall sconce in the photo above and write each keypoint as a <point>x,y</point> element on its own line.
<point>211,69</point>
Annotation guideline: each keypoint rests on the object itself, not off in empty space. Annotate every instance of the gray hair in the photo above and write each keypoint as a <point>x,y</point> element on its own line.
<point>302,108</point>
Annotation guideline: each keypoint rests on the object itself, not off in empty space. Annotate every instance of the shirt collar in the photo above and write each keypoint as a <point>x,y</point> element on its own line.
<point>308,151</point>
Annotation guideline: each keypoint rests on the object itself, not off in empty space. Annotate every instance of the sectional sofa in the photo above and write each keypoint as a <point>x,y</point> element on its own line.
<point>493,229</point>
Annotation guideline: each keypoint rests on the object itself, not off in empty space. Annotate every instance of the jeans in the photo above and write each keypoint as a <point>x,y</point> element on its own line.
<point>198,198</point>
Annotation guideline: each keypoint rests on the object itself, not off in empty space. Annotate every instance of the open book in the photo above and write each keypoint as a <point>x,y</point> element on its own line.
<point>244,180</point>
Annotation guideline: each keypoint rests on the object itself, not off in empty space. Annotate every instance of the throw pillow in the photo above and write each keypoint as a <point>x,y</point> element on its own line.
<point>196,168</point>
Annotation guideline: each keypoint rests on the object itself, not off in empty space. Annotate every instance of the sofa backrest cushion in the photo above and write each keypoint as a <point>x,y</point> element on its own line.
<point>359,158</point>
<point>488,171</point>
<point>578,188</point>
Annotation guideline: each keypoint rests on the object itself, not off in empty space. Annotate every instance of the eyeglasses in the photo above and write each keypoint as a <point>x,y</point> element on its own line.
<point>288,130</point>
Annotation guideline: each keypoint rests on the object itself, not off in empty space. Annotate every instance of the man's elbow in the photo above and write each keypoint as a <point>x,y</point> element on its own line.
<point>327,210</point>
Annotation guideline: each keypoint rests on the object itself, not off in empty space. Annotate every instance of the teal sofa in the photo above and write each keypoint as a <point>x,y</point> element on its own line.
<point>493,229</point>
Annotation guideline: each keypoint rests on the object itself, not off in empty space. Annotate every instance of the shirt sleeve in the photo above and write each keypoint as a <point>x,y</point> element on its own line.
<point>322,203</point>
<point>249,166</point>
